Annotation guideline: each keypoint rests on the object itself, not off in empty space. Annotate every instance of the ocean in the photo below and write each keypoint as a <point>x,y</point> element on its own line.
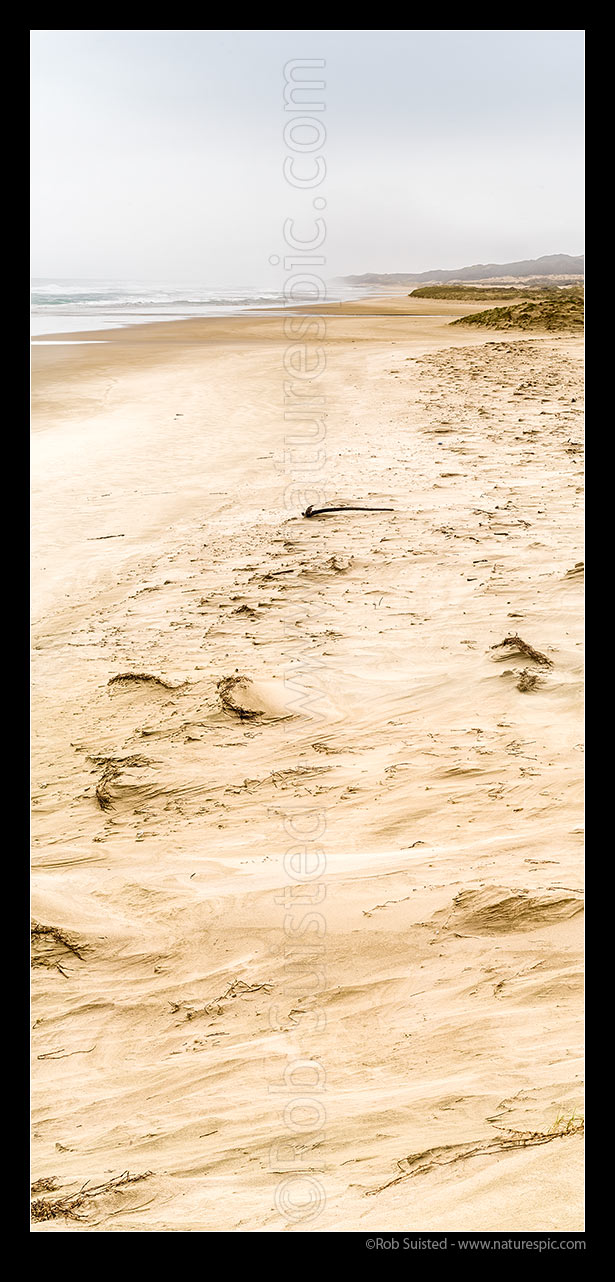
<point>72,306</point>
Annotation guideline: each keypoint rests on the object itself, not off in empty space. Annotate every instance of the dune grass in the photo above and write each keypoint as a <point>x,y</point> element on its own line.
<point>476,293</point>
<point>70,1206</point>
<point>563,312</point>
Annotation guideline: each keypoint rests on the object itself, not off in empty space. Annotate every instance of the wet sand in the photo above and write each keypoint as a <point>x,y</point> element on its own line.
<point>311,956</point>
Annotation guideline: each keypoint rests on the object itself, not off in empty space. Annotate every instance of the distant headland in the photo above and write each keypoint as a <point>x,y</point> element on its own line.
<point>567,265</point>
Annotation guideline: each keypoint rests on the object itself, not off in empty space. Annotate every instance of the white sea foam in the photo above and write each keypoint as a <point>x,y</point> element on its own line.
<point>64,306</point>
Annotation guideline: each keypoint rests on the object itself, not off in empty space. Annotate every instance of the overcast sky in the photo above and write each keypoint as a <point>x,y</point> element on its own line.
<point>159,154</point>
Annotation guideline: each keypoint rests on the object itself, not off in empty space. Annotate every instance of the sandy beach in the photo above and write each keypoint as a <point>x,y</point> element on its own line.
<point>307,845</point>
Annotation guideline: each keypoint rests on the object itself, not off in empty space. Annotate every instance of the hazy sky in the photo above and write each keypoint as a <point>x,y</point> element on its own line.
<point>159,154</point>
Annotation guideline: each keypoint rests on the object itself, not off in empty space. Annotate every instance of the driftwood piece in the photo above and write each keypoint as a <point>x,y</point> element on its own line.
<point>346,507</point>
<point>517,644</point>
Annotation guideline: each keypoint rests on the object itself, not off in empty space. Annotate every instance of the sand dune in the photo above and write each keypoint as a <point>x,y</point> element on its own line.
<point>226,694</point>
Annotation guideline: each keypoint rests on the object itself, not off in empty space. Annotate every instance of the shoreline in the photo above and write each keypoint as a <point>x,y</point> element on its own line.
<point>113,320</point>
<point>367,305</point>
<point>168,541</point>
<point>379,320</point>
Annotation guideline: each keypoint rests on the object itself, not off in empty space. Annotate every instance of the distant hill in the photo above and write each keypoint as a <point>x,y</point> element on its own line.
<point>548,265</point>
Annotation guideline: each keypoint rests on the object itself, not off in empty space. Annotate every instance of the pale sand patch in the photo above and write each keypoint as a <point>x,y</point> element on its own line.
<point>448,1010</point>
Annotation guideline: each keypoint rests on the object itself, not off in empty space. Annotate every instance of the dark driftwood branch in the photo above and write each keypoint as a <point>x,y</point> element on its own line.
<point>347,507</point>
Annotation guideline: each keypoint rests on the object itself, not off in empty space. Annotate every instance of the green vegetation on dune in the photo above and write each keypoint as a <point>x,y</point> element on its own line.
<point>476,294</point>
<point>564,312</point>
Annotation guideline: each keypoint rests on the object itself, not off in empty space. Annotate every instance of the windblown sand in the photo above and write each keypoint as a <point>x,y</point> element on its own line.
<point>328,686</point>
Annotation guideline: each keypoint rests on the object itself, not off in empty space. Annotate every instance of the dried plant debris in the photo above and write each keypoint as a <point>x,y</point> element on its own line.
<point>70,1205</point>
<point>233,692</point>
<point>112,768</point>
<point>125,678</point>
<point>527,681</point>
<point>280,779</point>
<point>253,699</point>
<point>448,1154</point>
<point>246,610</point>
<point>50,945</point>
<point>48,1184</point>
<point>238,988</point>
<point>517,645</point>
